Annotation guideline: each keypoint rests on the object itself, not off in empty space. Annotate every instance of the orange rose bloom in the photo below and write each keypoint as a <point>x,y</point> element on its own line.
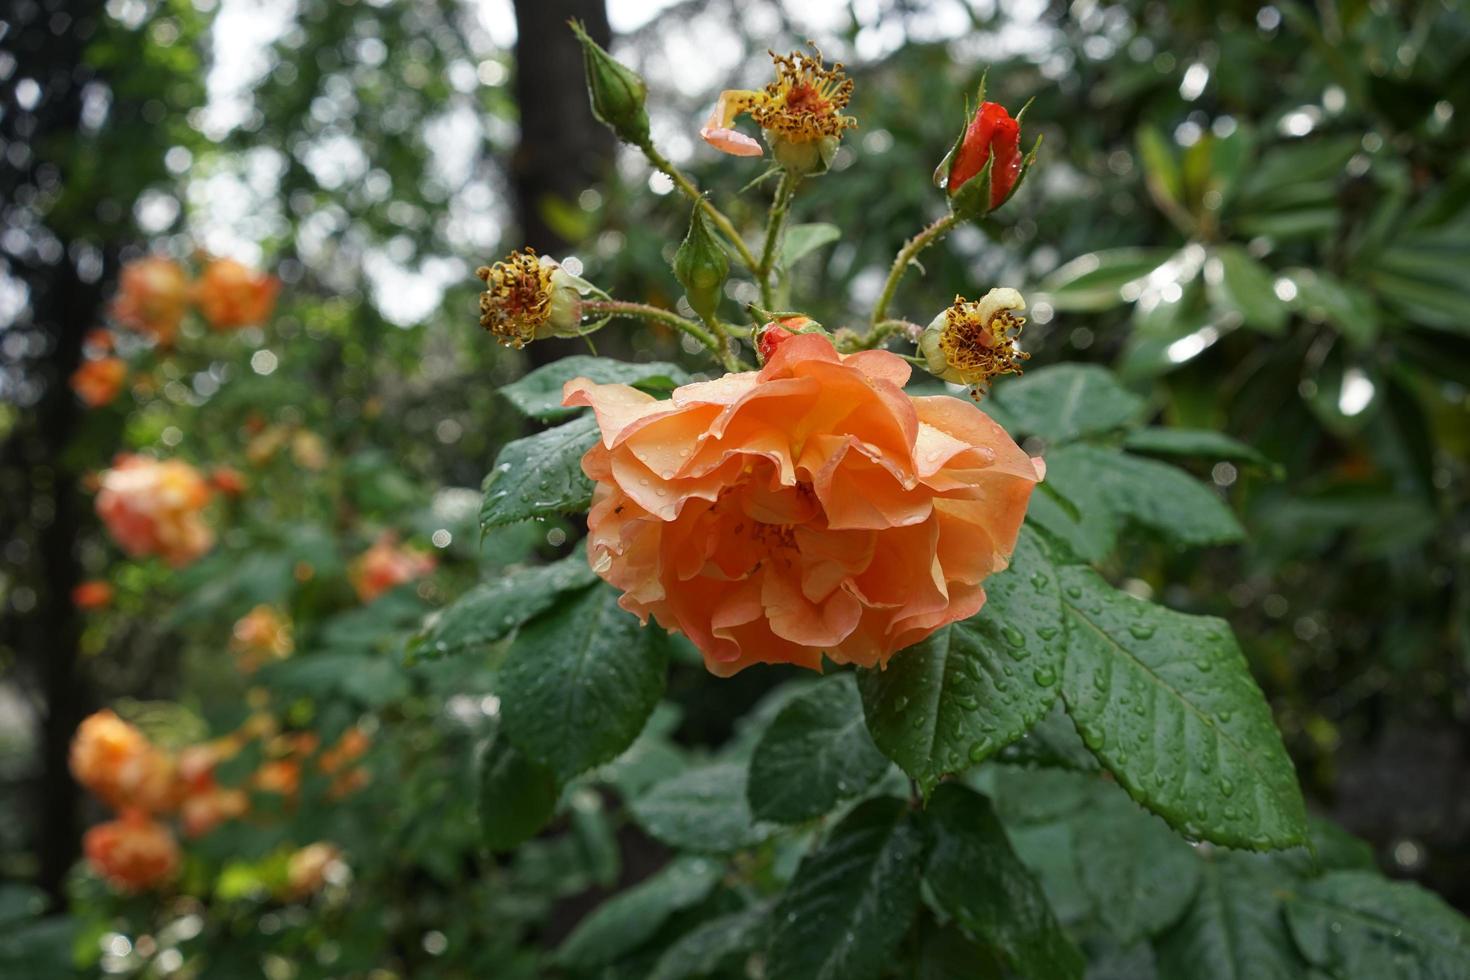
<point>309,868</point>
<point>231,295</point>
<point>203,810</point>
<point>117,762</point>
<point>806,508</point>
<point>133,853</point>
<point>281,776</point>
<point>152,297</point>
<point>260,636</point>
<point>98,382</point>
<point>152,507</point>
<point>92,595</point>
<point>386,565</point>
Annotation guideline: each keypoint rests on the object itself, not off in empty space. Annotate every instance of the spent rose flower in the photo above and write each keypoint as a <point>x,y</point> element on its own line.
<point>529,297</point>
<point>95,594</point>
<point>387,564</point>
<point>259,637</point>
<point>98,381</point>
<point>991,131</point>
<point>154,507</point>
<point>117,763</point>
<point>133,853</point>
<point>152,298</point>
<point>811,507</point>
<point>311,867</point>
<point>800,114</point>
<point>230,294</point>
<point>973,343</point>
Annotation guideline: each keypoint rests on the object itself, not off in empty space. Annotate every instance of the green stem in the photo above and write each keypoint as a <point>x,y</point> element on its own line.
<point>910,250</point>
<point>642,311</point>
<point>775,223</point>
<point>663,165</point>
<point>882,331</point>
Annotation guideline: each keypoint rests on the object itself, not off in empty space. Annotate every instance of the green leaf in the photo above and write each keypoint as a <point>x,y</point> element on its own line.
<point>946,953</point>
<point>1139,875</point>
<point>1359,924</point>
<point>1234,929</point>
<point>626,921</point>
<point>1068,401</point>
<point>538,394</point>
<point>802,240</point>
<point>704,810</point>
<point>1167,703</point>
<point>702,951</point>
<point>1203,443</point>
<point>1067,510</point>
<point>1053,743</point>
<point>1240,283</point>
<point>848,908</point>
<point>517,796</point>
<point>540,475</point>
<point>1155,495</point>
<point>1320,297</point>
<point>978,879</point>
<point>816,754</point>
<point>1094,282</point>
<point>491,611</point>
<point>974,686</point>
<point>580,680</point>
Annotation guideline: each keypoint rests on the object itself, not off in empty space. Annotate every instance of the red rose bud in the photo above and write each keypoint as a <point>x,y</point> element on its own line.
<point>777,332</point>
<point>991,130</point>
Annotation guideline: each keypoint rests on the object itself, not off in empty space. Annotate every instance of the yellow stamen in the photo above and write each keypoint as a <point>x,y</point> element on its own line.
<point>806,100</point>
<point>517,297</point>
<point>979,342</point>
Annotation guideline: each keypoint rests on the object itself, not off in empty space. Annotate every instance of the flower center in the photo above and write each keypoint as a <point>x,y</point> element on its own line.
<point>805,101</point>
<point>517,297</point>
<point>981,349</point>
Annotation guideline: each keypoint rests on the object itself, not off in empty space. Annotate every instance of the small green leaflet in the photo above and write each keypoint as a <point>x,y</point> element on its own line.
<point>517,796</point>
<point>1359,924</point>
<point>955,699</point>
<point>816,754</point>
<point>702,950</point>
<point>802,240</point>
<point>1167,703</point>
<point>1234,929</point>
<point>580,680</point>
<point>852,900</point>
<point>492,610</point>
<point>1068,401</point>
<point>703,810</point>
<point>538,394</point>
<point>626,921</point>
<point>540,475</point>
<point>978,879</point>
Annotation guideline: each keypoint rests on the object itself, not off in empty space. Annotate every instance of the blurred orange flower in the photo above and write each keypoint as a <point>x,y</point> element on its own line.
<point>121,766</point>
<point>353,745</point>
<point>260,636</point>
<point>92,595</point>
<point>202,810</point>
<point>152,297</point>
<point>387,564</point>
<point>133,853</point>
<point>97,382</point>
<point>153,507</point>
<point>279,776</point>
<point>806,508</point>
<point>227,480</point>
<point>230,294</point>
<point>310,868</point>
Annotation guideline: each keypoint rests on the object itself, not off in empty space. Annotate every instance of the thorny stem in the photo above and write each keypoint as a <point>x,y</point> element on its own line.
<point>907,254</point>
<point>663,165</point>
<point>882,331</point>
<point>775,223</point>
<point>719,346</point>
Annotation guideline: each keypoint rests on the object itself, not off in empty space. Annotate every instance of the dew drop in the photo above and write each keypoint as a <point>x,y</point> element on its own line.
<point>1141,631</point>
<point>1045,676</point>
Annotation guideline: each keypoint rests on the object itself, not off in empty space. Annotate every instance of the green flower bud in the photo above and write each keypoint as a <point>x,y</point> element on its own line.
<point>617,92</point>
<point>701,265</point>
